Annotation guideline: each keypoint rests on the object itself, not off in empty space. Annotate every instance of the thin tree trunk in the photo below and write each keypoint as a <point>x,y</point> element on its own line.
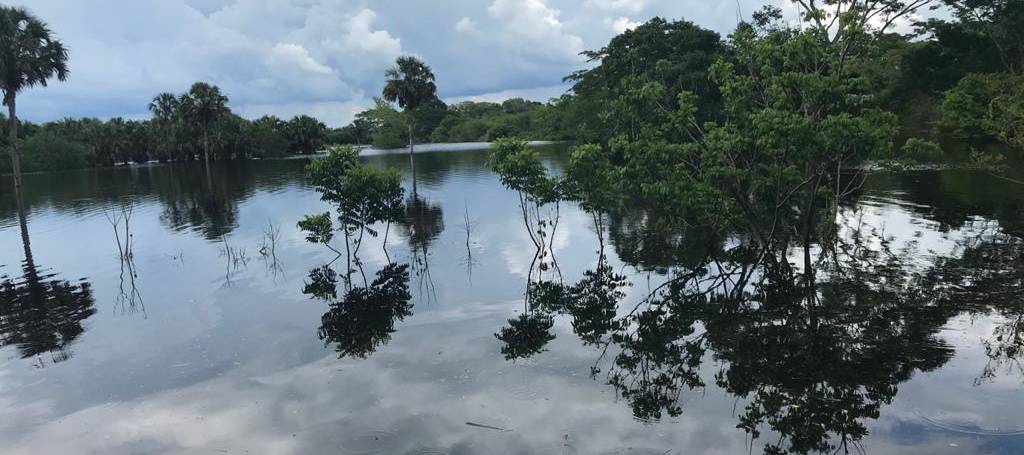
<point>206,147</point>
<point>12,131</point>
<point>206,157</point>
<point>412,160</point>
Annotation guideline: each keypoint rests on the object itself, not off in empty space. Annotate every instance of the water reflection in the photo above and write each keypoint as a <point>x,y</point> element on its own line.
<point>39,312</point>
<point>422,224</point>
<point>810,360</point>
<point>650,339</point>
<point>364,318</point>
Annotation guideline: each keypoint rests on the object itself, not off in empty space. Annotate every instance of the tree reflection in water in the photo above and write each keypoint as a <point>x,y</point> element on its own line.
<point>422,224</point>
<point>40,313</point>
<point>365,317</point>
<point>810,361</point>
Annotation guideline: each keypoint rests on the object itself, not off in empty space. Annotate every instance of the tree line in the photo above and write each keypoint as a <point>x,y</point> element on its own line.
<point>196,125</point>
<point>955,81</point>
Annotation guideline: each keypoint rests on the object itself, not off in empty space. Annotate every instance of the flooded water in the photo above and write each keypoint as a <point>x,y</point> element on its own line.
<point>158,310</point>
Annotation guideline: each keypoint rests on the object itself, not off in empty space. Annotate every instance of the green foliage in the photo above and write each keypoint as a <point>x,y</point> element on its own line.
<point>363,195</point>
<point>305,134</point>
<point>520,169</point>
<point>328,172</point>
<point>268,136</point>
<point>318,228</point>
<point>789,110</point>
<point>996,25</point>
<point>371,195</point>
<point>388,127</point>
<point>920,151</point>
<point>410,83</point>
<point>639,75</point>
<point>50,152</point>
<point>986,107</point>
<point>592,178</point>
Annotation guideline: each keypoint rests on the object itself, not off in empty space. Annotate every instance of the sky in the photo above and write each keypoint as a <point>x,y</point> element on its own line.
<point>327,58</point>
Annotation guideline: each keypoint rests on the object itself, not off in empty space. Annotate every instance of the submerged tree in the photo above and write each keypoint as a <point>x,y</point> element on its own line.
<point>363,197</point>
<point>29,56</point>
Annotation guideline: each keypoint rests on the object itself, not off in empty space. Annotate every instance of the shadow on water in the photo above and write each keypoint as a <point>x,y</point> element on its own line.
<point>39,312</point>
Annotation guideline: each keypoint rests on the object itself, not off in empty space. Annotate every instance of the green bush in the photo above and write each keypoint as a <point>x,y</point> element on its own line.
<point>921,151</point>
<point>985,107</point>
<point>49,152</point>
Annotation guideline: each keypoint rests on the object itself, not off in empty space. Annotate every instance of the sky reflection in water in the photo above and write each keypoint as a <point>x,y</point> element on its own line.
<point>203,345</point>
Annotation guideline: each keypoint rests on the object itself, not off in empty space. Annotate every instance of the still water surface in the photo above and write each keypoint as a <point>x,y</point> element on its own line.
<point>212,338</point>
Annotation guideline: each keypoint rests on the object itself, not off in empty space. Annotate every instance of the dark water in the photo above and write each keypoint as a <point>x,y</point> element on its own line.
<point>198,343</point>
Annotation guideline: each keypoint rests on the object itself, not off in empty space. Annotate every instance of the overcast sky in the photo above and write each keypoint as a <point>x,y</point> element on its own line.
<point>326,58</point>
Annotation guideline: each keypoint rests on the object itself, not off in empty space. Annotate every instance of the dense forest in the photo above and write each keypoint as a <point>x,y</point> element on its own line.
<point>956,82</point>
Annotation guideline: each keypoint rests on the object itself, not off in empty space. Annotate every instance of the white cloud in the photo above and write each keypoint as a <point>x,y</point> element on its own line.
<point>361,38</point>
<point>292,55</point>
<point>466,25</point>
<point>533,28</point>
<point>621,24</point>
<point>632,6</point>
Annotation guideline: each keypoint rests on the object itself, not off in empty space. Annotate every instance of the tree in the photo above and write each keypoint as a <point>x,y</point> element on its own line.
<point>410,83</point>
<point>202,106</point>
<point>165,108</point>
<point>999,22</point>
<point>268,136</point>
<point>363,196</point>
<point>796,120</point>
<point>657,57</point>
<point>29,55</point>
<point>387,126</point>
<point>305,134</point>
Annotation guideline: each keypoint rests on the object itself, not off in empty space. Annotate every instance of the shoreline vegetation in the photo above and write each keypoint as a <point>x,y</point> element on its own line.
<point>953,88</point>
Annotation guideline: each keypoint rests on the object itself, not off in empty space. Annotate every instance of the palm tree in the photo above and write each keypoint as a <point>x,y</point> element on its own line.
<point>410,83</point>
<point>202,106</point>
<point>165,108</point>
<point>29,55</point>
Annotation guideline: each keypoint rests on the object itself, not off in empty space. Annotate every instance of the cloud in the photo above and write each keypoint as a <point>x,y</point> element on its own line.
<point>533,28</point>
<point>621,24</point>
<point>364,40</point>
<point>632,6</point>
<point>286,56</point>
<point>466,25</point>
<point>279,55</point>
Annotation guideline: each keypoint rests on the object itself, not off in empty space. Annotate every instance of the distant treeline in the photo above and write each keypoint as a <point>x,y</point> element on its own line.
<point>176,131</point>
<point>182,129</point>
<point>470,121</point>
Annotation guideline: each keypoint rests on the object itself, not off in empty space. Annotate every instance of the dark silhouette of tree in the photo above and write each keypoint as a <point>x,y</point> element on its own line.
<point>365,318</point>
<point>322,284</point>
<point>39,312</point>
<point>422,224</point>
<point>201,107</point>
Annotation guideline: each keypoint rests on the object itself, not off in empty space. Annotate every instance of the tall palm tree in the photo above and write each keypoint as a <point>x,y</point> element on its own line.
<point>165,110</point>
<point>410,83</point>
<point>202,106</point>
<point>29,55</point>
